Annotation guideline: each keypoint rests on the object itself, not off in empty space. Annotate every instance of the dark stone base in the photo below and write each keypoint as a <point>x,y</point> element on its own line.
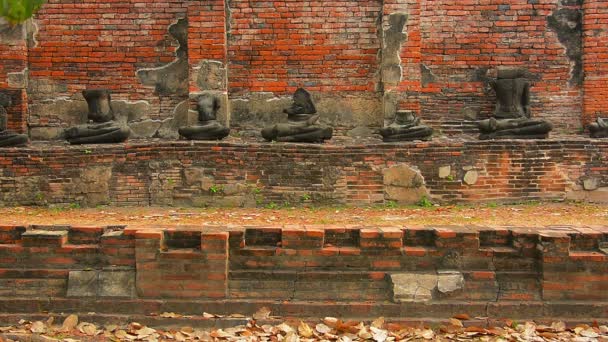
<point>200,133</point>
<point>424,134</point>
<point>306,135</point>
<point>118,135</point>
<point>10,140</point>
<point>492,136</point>
<point>599,135</point>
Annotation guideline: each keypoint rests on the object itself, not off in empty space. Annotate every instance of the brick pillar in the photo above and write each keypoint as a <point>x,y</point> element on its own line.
<point>595,60</point>
<point>13,73</point>
<point>207,49</point>
<point>166,268</point>
<point>401,91</point>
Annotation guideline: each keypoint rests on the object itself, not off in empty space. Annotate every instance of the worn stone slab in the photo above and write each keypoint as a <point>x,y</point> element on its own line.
<point>117,283</point>
<point>422,287</point>
<point>82,284</point>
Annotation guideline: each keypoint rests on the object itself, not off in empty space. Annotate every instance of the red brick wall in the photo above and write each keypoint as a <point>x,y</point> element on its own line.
<point>595,59</point>
<point>157,174</point>
<point>94,44</point>
<point>332,48</point>
<point>13,52</point>
<point>14,57</point>
<point>459,38</point>
<point>315,270</point>
<point>323,45</point>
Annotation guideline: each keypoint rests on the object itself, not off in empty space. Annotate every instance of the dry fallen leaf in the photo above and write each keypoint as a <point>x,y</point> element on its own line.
<point>291,337</point>
<point>427,334</point>
<point>38,327</point>
<point>169,315</point>
<point>262,313</point>
<point>322,328</point>
<point>456,322</point>
<point>69,323</point>
<point>379,335</point>
<point>305,330</point>
<point>463,317</point>
<point>589,332</point>
<point>208,315</point>
<point>378,323</point>
<point>330,321</point>
<point>87,328</point>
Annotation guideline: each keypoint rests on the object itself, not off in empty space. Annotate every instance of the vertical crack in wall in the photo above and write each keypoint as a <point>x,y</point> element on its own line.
<point>171,78</point>
<point>566,22</point>
<point>391,69</point>
<point>393,38</point>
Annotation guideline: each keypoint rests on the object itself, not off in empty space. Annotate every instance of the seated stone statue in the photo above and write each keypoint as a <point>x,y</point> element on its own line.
<point>8,138</point>
<point>405,127</point>
<point>301,123</point>
<point>101,129</point>
<point>208,128</point>
<point>599,129</point>
<point>511,119</point>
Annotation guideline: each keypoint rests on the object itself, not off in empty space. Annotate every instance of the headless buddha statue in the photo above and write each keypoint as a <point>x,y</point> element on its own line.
<point>511,119</point>
<point>599,129</point>
<point>207,128</point>
<point>101,128</point>
<point>301,123</point>
<point>8,138</point>
<point>405,127</point>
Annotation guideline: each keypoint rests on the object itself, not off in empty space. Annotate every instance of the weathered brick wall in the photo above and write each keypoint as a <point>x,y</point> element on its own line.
<point>309,271</point>
<point>329,47</point>
<point>13,73</point>
<point>250,174</point>
<point>321,45</point>
<point>13,52</point>
<point>94,44</point>
<point>359,65</point>
<point>595,59</point>
<point>464,42</point>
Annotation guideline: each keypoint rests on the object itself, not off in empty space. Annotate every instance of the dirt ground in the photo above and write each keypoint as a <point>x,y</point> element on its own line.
<point>521,215</point>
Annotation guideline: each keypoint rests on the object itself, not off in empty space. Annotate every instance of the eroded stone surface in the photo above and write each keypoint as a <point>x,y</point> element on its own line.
<point>471,177</point>
<point>404,184</point>
<point>421,287</point>
<point>117,283</point>
<point>111,282</point>
<point>394,37</point>
<point>413,287</point>
<point>591,184</point>
<point>449,282</point>
<point>171,78</point>
<point>445,171</point>
<point>211,75</point>
<point>82,283</point>
<point>145,129</point>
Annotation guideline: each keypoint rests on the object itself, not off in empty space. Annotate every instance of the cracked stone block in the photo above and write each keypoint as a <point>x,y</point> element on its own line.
<point>420,287</point>
<point>445,171</point>
<point>449,282</point>
<point>117,283</point>
<point>82,284</point>
<point>404,184</point>
<point>413,287</point>
<point>591,184</point>
<point>471,177</point>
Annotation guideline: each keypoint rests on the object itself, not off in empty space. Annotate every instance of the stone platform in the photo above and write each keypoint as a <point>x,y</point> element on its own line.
<point>352,272</point>
<point>233,174</point>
